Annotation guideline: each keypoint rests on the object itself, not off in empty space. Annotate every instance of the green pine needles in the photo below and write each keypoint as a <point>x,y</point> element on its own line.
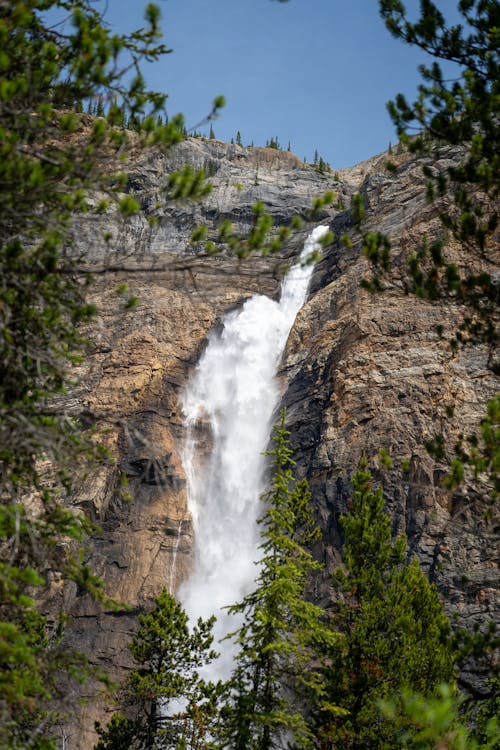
<point>302,676</point>
<point>166,703</point>
<point>396,634</point>
<point>283,633</point>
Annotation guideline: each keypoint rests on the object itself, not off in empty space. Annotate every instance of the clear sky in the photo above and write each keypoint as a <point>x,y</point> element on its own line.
<point>315,73</point>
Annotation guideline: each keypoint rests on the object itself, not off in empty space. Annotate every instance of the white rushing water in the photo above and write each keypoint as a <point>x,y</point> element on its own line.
<point>235,391</point>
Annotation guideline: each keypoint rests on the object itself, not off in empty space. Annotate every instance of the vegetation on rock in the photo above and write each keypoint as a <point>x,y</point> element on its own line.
<point>57,163</point>
<point>54,161</point>
<point>397,637</point>
<point>167,703</point>
<point>460,113</point>
<point>299,675</point>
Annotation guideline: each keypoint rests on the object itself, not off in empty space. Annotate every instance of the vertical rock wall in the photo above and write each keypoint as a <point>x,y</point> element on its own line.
<point>360,372</point>
<point>366,372</point>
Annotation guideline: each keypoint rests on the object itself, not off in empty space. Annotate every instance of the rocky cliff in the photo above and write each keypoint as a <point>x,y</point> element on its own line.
<point>360,372</point>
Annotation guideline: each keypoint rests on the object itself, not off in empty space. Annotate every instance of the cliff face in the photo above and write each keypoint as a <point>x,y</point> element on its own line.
<point>360,372</point>
<point>365,372</point>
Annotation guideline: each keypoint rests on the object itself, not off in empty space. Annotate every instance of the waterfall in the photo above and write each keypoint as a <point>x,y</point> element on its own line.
<point>234,390</point>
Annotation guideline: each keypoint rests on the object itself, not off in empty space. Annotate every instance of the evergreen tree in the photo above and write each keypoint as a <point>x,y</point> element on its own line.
<point>463,111</point>
<point>277,674</point>
<point>53,164</point>
<point>238,138</point>
<point>211,134</point>
<point>171,706</point>
<point>437,722</point>
<point>273,143</point>
<point>47,173</point>
<point>100,108</point>
<point>396,635</point>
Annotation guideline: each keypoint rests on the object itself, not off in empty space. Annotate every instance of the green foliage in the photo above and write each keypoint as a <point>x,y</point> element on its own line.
<point>52,157</point>
<point>120,734</point>
<point>358,209</point>
<point>273,143</point>
<point>477,455</point>
<point>396,635</point>
<point>463,184</point>
<point>283,634</point>
<point>55,56</point>
<point>434,722</point>
<point>262,237</point>
<point>170,704</point>
<point>487,716</point>
<point>462,112</point>
<point>322,165</point>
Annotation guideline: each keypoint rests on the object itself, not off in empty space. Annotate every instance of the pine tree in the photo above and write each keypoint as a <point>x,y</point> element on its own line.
<point>437,722</point>
<point>283,635</point>
<point>211,134</point>
<point>396,635</point>
<point>47,175</point>
<point>460,110</point>
<point>238,138</point>
<point>171,706</point>
<point>99,109</point>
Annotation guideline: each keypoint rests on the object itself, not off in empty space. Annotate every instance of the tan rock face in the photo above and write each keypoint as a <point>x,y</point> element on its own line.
<point>360,372</point>
<point>365,372</point>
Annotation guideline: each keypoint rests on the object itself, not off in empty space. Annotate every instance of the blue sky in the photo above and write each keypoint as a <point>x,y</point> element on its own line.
<point>315,73</point>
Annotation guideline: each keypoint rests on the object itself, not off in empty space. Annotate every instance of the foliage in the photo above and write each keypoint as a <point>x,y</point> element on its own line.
<point>57,58</point>
<point>454,128</point>
<point>171,705</point>
<point>120,734</point>
<point>283,634</point>
<point>323,166</point>
<point>262,236</point>
<point>51,155</point>
<point>462,112</point>
<point>396,635</point>
<point>477,454</point>
<point>487,713</point>
<point>273,142</point>
<point>434,722</point>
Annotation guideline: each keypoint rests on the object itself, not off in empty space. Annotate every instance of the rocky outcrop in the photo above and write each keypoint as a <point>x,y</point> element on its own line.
<point>366,372</point>
<point>360,372</point>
